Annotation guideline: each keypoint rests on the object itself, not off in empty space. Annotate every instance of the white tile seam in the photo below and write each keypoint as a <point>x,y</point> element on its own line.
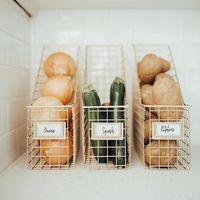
<point>5,66</point>
<point>14,36</point>
<point>15,98</point>
<point>12,131</point>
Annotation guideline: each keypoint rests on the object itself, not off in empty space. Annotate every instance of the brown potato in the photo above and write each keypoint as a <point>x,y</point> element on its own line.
<point>146,94</point>
<point>148,68</point>
<point>151,115</point>
<point>105,104</point>
<point>165,65</point>
<point>163,75</point>
<point>166,92</point>
<point>148,129</point>
<point>161,153</point>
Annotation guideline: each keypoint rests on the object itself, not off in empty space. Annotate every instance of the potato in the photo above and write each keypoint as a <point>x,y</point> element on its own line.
<point>166,92</point>
<point>148,129</point>
<point>105,104</point>
<point>163,75</point>
<point>165,65</point>
<point>161,153</point>
<point>151,115</point>
<point>148,68</point>
<point>146,94</point>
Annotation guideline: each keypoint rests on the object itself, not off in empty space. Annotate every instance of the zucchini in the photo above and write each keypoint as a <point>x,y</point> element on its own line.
<point>91,98</point>
<point>117,93</point>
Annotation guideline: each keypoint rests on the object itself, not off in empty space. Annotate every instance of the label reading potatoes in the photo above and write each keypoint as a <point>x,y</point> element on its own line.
<point>107,131</point>
<point>50,130</point>
<point>167,130</point>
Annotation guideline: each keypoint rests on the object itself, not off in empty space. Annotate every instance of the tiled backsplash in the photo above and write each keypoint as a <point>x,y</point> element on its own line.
<point>179,28</point>
<point>15,81</point>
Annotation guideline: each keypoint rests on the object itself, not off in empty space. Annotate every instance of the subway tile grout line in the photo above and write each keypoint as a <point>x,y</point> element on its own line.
<point>5,66</point>
<point>12,131</point>
<point>14,36</point>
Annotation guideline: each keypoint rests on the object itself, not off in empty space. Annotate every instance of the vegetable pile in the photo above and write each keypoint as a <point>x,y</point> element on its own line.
<point>158,88</point>
<point>60,69</point>
<point>116,148</point>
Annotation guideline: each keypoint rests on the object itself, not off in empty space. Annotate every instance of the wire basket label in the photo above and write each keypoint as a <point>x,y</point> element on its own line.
<point>167,130</point>
<point>50,130</point>
<point>107,131</point>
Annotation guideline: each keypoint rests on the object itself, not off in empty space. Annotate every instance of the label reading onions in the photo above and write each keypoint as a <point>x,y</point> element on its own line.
<point>50,130</point>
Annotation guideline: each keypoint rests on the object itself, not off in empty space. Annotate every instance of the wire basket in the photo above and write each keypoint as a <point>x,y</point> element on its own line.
<point>167,152</point>
<point>62,150</point>
<point>103,64</point>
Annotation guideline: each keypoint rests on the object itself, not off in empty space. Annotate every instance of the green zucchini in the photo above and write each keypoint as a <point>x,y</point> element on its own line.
<point>117,93</point>
<point>91,98</point>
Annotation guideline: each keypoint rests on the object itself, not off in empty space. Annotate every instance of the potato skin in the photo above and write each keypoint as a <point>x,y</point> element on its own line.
<point>163,75</point>
<point>166,149</point>
<point>147,94</point>
<point>165,65</point>
<point>148,130</point>
<point>148,68</point>
<point>166,92</point>
<point>152,115</point>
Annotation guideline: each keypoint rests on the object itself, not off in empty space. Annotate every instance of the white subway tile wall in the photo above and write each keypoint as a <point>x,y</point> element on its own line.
<point>179,28</point>
<point>15,81</point>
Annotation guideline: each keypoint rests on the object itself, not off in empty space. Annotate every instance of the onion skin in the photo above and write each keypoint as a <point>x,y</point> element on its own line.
<point>59,63</point>
<point>48,114</point>
<point>59,86</point>
<point>57,152</point>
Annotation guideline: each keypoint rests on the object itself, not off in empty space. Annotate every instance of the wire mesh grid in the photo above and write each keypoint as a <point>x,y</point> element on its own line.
<point>54,153</point>
<point>160,153</point>
<point>103,64</point>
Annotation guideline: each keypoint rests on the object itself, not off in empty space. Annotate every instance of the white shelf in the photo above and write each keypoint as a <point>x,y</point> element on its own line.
<point>136,182</point>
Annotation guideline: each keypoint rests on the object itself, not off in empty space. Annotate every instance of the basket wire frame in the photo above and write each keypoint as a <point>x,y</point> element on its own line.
<point>64,152</point>
<point>103,64</point>
<point>170,154</point>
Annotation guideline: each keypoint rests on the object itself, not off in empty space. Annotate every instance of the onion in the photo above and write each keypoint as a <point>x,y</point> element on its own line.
<point>59,86</point>
<point>57,152</point>
<point>59,63</point>
<point>43,113</point>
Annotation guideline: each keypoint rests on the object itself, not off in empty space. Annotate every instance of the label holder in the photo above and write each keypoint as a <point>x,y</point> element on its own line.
<point>107,131</point>
<point>50,130</point>
<point>167,130</point>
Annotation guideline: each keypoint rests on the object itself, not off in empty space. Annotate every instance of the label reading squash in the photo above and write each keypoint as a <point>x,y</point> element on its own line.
<point>50,130</point>
<point>167,130</point>
<point>107,131</point>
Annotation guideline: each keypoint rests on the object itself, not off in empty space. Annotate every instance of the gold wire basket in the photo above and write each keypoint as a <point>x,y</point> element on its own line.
<point>163,153</point>
<point>103,64</point>
<point>62,153</point>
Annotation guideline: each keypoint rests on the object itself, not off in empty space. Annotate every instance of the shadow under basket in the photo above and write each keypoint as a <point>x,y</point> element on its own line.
<point>103,64</point>
<point>46,151</point>
<point>161,133</point>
